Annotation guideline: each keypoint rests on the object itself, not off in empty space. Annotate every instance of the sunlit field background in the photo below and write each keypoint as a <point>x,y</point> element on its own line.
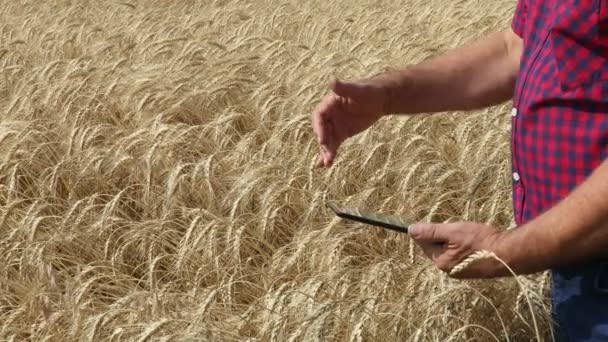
<point>158,180</point>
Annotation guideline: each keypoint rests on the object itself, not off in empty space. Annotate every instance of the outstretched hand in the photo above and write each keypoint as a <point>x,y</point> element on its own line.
<point>350,108</point>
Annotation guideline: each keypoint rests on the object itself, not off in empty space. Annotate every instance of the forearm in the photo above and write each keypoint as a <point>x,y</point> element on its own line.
<point>478,75</point>
<point>574,230</point>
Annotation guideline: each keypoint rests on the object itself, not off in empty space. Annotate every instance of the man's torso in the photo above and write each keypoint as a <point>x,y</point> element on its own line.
<point>560,130</point>
<point>560,135</point>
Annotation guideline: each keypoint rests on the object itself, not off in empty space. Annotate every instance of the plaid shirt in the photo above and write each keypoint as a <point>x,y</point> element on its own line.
<point>560,114</point>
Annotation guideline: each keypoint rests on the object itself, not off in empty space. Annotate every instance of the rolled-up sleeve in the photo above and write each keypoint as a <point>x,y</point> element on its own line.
<point>519,18</point>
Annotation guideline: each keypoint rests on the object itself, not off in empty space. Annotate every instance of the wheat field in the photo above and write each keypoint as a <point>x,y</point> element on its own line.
<point>158,179</point>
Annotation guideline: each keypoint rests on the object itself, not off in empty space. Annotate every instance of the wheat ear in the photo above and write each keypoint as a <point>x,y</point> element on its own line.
<point>480,255</point>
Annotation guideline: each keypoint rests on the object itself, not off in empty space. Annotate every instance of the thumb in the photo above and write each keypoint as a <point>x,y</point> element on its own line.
<point>348,89</point>
<point>425,231</point>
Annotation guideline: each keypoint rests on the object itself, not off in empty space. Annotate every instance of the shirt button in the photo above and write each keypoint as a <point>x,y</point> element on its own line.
<point>516,176</point>
<point>514,112</point>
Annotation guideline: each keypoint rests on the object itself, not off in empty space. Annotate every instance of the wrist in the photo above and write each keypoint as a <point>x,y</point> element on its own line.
<point>523,251</point>
<point>388,96</point>
<point>393,87</point>
<point>501,244</point>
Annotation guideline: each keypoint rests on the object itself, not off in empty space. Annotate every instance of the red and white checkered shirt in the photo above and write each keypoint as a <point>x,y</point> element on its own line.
<point>560,114</point>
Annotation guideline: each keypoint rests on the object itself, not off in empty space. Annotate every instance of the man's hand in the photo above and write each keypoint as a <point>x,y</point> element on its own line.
<point>351,108</point>
<point>478,75</point>
<point>447,245</point>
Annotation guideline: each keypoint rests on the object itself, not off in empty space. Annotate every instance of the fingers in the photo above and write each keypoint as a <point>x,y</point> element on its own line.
<point>326,156</point>
<point>432,250</point>
<point>320,161</point>
<point>439,254</point>
<point>348,89</point>
<point>323,126</point>
<point>327,143</point>
<point>434,240</point>
<point>425,231</point>
<point>323,119</point>
<point>447,245</point>
<point>435,231</point>
<point>320,117</point>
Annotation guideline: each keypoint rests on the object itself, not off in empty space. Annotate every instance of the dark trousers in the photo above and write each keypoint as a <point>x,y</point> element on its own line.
<point>580,302</point>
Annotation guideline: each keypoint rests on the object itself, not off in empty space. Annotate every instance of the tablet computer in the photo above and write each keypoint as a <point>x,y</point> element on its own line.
<point>394,223</point>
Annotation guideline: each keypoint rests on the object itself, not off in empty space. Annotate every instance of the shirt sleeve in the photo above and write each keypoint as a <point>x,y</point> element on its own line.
<point>519,18</point>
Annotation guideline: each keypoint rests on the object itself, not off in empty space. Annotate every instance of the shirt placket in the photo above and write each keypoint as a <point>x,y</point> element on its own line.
<point>518,114</point>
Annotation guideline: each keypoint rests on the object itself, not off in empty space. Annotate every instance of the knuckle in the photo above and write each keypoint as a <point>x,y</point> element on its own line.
<point>432,231</point>
<point>443,266</point>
